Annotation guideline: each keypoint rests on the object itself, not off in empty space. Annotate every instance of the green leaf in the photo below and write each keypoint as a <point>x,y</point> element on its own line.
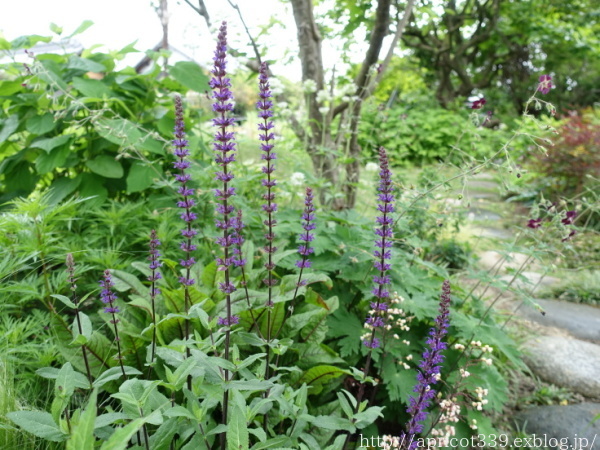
<point>65,300</point>
<point>48,144</point>
<point>237,430</point>
<point>9,127</point>
<point>62,187</point>
<point>162,438</point>
<point>114,373</point>
<point>65,381</point>
<point>317,376</point>
<point>92,88</point>
<point>272,443</point>
<point>9,87</point>
<point>40,124</point>
<point>56,29</point>
<point>104,420</point>
<point>209,275</point>
<point>86,326</point>
<point>140,177</point>
<point>82,436</point>
<point>81,28</point>
<point>119,440</point>
<point>124,281</point>
<point>38,423</point>
<point>333,423</point>
<point>49,161</point>
<point>190,75</point>
<point>105,166</point>
<point>79,380</point>
<point>85,65</point>
<point>118,131</point>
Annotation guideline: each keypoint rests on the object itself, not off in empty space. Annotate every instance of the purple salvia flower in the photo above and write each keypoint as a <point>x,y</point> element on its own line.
<point>109,298</point>
<point>430,369</point>
<point>384,231</point>
<point>224,147</point>
<point>266,137</point>
<point>308,216</point>
<point>186,203</point>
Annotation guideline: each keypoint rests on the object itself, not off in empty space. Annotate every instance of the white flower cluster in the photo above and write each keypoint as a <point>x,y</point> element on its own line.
<point>372,167</point>
<point>390,442</point>
<point>450,413</point>
<point>481,400</point>
<point>309,86</point>
<point>297,179</point>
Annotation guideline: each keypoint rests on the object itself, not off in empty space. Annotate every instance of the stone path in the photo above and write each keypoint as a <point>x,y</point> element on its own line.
<point>564,346</point>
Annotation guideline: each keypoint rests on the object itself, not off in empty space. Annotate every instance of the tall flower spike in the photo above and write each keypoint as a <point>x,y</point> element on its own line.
<point>155,275</point>
<point>186,203</point>
<point>308,216</point>
<point>382,252</point>
<point>109,298</point>
<point>430,369</point>
<point>266,137</point>
<point>224,147</point>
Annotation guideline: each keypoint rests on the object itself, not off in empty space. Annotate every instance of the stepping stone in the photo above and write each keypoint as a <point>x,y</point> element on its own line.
<point>568,363</point>
<point>483,214</point>
<point>492,233</point>
<point>571,425</point>
<point>581,321</point>
<point>473,185</point>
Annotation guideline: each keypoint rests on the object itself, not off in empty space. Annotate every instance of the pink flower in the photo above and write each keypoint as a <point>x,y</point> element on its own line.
<point>545,84</point>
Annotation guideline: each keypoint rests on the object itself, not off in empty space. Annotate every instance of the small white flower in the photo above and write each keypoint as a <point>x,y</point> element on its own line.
<point>459,347</point>
<point>324,109</point>
<point>297,179</point>
<point>309,86</point>
<point>371,167</point>
<point>323,96</point>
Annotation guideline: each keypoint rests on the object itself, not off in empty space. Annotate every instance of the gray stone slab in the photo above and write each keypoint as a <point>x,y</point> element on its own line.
<point>581,321</point>
<point>476,214</point>
<point>493,233</point>
<point>568,363</point>
<point>571,425</point>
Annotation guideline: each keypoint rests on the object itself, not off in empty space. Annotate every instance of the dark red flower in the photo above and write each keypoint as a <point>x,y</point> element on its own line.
<point>570,218</point>
<point>478,104</point>
<point>534,223</point>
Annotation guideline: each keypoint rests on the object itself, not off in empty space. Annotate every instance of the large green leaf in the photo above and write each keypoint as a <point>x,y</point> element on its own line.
<point>92,88</point>
<point>47,162</point>
<point>38,423</point>
<point>9,126</point>
<point>82,437</point>
<point>317,376</point>
<point>50,143</point>
<point>190,75</point>
<point>140,177</point>
<point>237,430</point>
<point>40,124</point>
<point>118,131</point>
<point>85,65</point>
<point>106,166</point>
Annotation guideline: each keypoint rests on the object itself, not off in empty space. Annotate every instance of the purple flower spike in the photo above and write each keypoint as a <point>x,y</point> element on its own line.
<point>382,251</point>
<point>264,106</point>
<point>545,84</point>
<point>430,369</point>
<point>155,264</point>
<point>308,216</point>
<point>224,147</point>
<point>186,203</point>
<point>107,296</point>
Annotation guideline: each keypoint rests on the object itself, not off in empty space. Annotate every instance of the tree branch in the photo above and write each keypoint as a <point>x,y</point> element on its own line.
<point>201,10</point>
